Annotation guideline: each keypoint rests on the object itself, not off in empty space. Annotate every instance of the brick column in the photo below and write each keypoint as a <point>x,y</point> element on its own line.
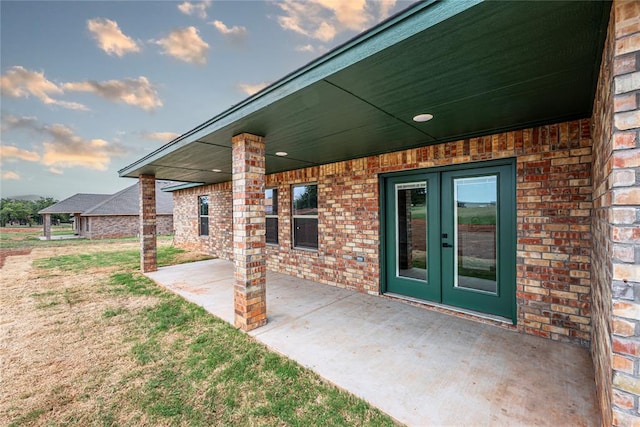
<point>249,292</point>
<point>148,250</point>
<point>616,220</point>
<point>46,221</point>
<point>624,214</point>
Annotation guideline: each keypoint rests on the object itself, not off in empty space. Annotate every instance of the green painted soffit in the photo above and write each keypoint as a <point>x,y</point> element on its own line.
<point>479,67</point>
<point>183,186</point>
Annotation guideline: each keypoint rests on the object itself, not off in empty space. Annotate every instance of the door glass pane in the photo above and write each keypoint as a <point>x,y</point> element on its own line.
<point>411,230</point>
<point>476,215</point>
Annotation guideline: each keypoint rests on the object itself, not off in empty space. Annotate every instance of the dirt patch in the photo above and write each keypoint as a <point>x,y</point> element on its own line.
<point>5,253</point>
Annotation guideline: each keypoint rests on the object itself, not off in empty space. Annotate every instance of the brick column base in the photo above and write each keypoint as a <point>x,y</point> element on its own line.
<point>148,249</point>
<point>249,292</point>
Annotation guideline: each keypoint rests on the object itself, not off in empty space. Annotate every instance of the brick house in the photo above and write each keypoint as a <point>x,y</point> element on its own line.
<point>103,216</point>
<point>481,157</point>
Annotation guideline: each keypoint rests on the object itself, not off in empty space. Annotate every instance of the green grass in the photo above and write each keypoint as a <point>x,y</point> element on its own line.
<point>477,267</point>
<point>27,418</point>
<point>419,263</point>
<point>126,260</point>
<point>220,376</point>
<point>188,367</point>
<point>418,212</point>
<point>28,237</point>
<point>477,216</point>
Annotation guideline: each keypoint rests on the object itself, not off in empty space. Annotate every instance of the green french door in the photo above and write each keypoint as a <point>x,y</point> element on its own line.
<point>450,237</point>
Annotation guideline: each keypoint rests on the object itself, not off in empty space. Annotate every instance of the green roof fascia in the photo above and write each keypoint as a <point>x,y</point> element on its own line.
<point>172,188</point>
<point>411,21</point>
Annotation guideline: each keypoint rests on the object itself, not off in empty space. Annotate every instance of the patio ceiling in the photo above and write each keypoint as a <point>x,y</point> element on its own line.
<point>479,67</point>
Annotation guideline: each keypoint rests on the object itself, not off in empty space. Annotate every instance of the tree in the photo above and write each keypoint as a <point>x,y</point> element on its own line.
<point>25,212</point>
<point>38,205</point>
<point>14,211</point>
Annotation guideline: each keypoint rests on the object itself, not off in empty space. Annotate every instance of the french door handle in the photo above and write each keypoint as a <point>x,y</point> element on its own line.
<point>447,245</point>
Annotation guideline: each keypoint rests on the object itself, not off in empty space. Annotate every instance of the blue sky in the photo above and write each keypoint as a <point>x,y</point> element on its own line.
<point>88,87</point>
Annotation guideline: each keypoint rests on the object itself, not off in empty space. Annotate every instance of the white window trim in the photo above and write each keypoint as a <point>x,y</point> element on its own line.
<point>200,216</point>
<point>277,243</point>
<point>294,217</point>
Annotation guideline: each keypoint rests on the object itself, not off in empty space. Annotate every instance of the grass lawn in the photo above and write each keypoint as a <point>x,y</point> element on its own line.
<point>88,340</point>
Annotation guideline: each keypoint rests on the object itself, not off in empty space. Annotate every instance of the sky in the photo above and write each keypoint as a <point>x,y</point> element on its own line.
<point>89,87</point>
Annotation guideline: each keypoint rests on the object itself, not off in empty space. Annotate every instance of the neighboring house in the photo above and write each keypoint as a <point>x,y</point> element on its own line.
<point>479,155</point>
<point>100,216</point>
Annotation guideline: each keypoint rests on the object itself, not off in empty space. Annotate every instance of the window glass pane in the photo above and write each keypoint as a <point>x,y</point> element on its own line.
<point>411,226</point>
<point>305,200</point>
<point>476,205</point>
<point>272,230</point>
<point>305,232</point>
<point>204,225</point>
<point>204,205</point>
<point>203,215</point>
<point>271,201</point>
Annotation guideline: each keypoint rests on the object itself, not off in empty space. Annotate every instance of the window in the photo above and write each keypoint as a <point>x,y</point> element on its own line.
<point>305,216</point>
<point>203,215</point>
<point>271,212</point>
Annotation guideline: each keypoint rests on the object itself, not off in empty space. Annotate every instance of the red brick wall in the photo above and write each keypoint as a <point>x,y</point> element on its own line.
<point>601,230</point>
<point>553,220</point>
<point>616,220</point>
<point>347,226</point>
<point>185,213</point>
<point>115,226</point>
<point>148,222</point>
<point>249,292</point>
<point>554,208</point>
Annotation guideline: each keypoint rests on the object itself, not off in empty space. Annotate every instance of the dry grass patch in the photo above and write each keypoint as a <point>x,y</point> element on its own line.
<point>85,339</point>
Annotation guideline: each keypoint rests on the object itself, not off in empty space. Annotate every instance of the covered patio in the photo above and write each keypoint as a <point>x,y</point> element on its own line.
<point>539,97</point>
<point>419,366</point>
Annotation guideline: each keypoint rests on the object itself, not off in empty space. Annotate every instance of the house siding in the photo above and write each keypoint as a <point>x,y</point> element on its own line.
<point>616,220</point>
<point>553,221</point>
<point>601,260</point>
<point>116,226</point>
<point>219,242</point>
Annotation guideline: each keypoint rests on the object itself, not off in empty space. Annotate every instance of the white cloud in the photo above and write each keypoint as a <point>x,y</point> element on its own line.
<point>136,92</point>
<point>110,38</point>
<point>10,122</point>
<point>10,175</point>
<point>160,136</point>
<point>56,171</point>
<point>235,34</point>
<point>65,149</point>
<point>9,152</point>
<point>19,82</point>
<point>305,48</point>
<point>61,148</point>
<point>186,45</point>
<point>250,89</point>
<point>198,9</point>
<point>323,19</point>
<point>384,7</point>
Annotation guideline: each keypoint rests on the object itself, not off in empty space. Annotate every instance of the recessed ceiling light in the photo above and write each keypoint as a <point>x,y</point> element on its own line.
<point>423,117</point>
<point>216,170</point>
<point>282,153</point>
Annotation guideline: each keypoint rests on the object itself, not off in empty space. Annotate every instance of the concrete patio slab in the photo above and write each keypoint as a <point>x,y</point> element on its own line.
<point>419,366</point>
<point>62,237</point>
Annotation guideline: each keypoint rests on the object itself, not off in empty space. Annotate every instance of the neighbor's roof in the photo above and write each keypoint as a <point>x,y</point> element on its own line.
<point>480,67</point>
<point>124,202</point>
<point>78,203</point>
<point>127,202</point>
